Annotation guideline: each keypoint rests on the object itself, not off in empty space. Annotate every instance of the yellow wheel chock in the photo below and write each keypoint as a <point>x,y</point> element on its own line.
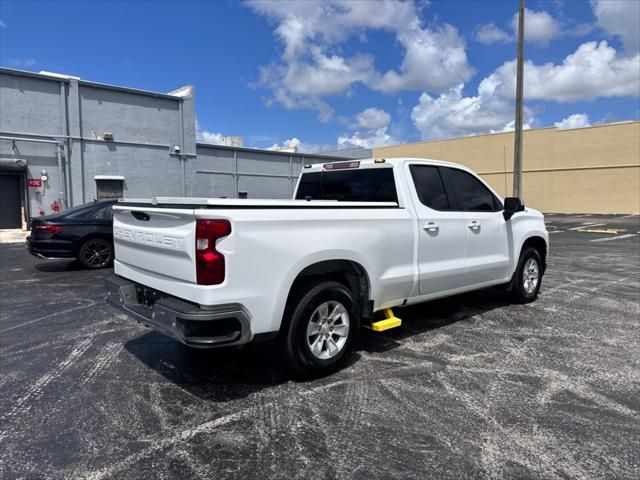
<point>390,321</point>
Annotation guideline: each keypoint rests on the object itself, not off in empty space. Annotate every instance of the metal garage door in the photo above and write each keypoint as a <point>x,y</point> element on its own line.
<point>10,201</point>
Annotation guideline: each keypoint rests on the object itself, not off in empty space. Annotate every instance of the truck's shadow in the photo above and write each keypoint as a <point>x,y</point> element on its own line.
<point>424,317</point>
<point>230,373</point>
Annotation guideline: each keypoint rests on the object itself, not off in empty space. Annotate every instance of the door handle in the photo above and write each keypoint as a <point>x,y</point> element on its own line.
<point>431,227</point>
<point>474,225</point>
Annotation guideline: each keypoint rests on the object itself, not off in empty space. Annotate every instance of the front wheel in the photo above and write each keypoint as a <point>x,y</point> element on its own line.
<point>96,253</point>
<point>528,277</point>
<point>320,328</point>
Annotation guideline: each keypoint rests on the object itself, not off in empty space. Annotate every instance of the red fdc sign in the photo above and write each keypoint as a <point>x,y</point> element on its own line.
<point>34,182</point>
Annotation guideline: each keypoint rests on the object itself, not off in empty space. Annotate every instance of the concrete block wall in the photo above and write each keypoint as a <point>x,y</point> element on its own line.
<point>225,171</point>
<point>584,170</point>
<point>74,115</point>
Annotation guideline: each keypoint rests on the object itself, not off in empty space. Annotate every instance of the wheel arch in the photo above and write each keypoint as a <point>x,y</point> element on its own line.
<point>90,236</point>
<point>350,273</point>
<point>540,244</point>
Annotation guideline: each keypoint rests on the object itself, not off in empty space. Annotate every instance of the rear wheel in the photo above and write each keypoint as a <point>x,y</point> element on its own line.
<point>528,277</point>
<point>96,253</point>
<point>320,328</point>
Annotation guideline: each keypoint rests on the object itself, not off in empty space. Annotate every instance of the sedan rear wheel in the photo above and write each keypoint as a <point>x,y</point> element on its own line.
<point>96,253</point>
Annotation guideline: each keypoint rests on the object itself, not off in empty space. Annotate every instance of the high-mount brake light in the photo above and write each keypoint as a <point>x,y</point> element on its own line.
<point>210,265</point>
<point>341,165</point>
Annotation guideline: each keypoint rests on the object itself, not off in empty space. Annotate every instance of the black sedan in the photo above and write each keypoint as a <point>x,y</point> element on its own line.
<point>84,232</point>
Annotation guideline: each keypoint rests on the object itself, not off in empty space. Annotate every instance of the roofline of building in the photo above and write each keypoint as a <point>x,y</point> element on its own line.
<point>87,83</point>
<point>262,150</point>
<point>451,139</point>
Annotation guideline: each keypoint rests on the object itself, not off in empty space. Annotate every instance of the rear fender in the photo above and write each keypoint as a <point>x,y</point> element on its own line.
<point>307,261</point>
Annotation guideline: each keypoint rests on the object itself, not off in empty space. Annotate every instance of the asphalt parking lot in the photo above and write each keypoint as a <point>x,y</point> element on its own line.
<point>468,387</point>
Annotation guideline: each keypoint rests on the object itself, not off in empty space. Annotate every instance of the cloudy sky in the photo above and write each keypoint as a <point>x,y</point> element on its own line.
<point>342,73</point>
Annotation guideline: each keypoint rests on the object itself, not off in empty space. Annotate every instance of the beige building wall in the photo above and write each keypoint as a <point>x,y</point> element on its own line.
<point>584,170</point>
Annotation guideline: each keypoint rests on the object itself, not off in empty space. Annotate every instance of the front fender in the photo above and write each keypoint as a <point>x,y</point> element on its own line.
<point>524,226</point>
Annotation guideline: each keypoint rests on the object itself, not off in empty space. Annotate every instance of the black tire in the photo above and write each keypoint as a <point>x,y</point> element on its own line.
<point>96,253</point>
<point>521,290</point>
<point>298,345</point>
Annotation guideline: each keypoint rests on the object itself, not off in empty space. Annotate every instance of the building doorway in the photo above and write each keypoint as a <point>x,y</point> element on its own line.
<point>10,201</point>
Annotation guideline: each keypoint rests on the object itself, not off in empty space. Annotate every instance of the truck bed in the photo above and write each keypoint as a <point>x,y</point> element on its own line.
<point>223,203</point>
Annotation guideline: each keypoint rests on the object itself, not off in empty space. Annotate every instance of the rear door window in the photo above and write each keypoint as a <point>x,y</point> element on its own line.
<point>430,187</point>
<point>365,185</point>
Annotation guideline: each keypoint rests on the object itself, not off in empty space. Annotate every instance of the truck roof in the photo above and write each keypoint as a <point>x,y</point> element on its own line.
<point>379,162</point>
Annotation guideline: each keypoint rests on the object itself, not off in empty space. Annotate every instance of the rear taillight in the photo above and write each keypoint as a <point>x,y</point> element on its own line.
<point>46,229</point>
<point>209,262</point>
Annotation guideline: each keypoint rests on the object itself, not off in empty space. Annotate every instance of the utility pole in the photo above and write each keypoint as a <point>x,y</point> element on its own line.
<point>517,148</point>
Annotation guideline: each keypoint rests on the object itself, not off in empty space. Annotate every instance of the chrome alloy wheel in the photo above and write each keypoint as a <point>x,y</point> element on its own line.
<point>96,253</point>
<point>328,330</point>
<point>530,275</point>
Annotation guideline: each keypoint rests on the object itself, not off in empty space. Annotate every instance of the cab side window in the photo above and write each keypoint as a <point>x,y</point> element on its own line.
<point>471,194</point>
<point>430,187</point>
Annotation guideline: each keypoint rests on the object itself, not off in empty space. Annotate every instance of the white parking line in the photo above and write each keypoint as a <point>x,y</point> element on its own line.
<point>626,216</point>
<point>606,239</point>
<point>584,225</point>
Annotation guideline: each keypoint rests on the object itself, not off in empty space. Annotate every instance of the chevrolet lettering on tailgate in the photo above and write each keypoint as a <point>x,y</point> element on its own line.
<point>161,240</point>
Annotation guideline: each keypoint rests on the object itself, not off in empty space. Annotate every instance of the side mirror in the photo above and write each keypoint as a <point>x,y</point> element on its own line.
<point>511,206</point>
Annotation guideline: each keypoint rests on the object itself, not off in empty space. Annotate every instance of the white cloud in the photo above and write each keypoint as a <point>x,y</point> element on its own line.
<point>435,59</point>
<point>577,120</point>
<point>209,137</point>
<point>300,146</point>
<point>2,24</point>
<point>373,118</point>
<point>367,139</point>
<point>620,18</point>
<point>593,70</point>
<point>312,66</point>
<point>289,143</point>
<point>206,136</point>
<point>490,33</point>
<point>301,84</point>
<point>511,126</point>
<point>539,27</point>
<point>23,62</point>
<point>452,114</point>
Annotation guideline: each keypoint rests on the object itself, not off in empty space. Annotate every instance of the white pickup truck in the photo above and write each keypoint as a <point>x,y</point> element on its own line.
<point>359,238</point>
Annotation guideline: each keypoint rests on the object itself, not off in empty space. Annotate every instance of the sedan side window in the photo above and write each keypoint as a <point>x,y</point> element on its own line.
<point>104,213</point>
<point>472,195</point>
<point>429,186</point>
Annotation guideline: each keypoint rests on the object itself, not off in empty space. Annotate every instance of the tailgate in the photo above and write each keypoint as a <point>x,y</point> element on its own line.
<point>157,240</point>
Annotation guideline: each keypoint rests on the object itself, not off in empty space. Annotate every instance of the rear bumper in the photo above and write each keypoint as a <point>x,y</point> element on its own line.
<point>191,324</point>
<point>50,249</point>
